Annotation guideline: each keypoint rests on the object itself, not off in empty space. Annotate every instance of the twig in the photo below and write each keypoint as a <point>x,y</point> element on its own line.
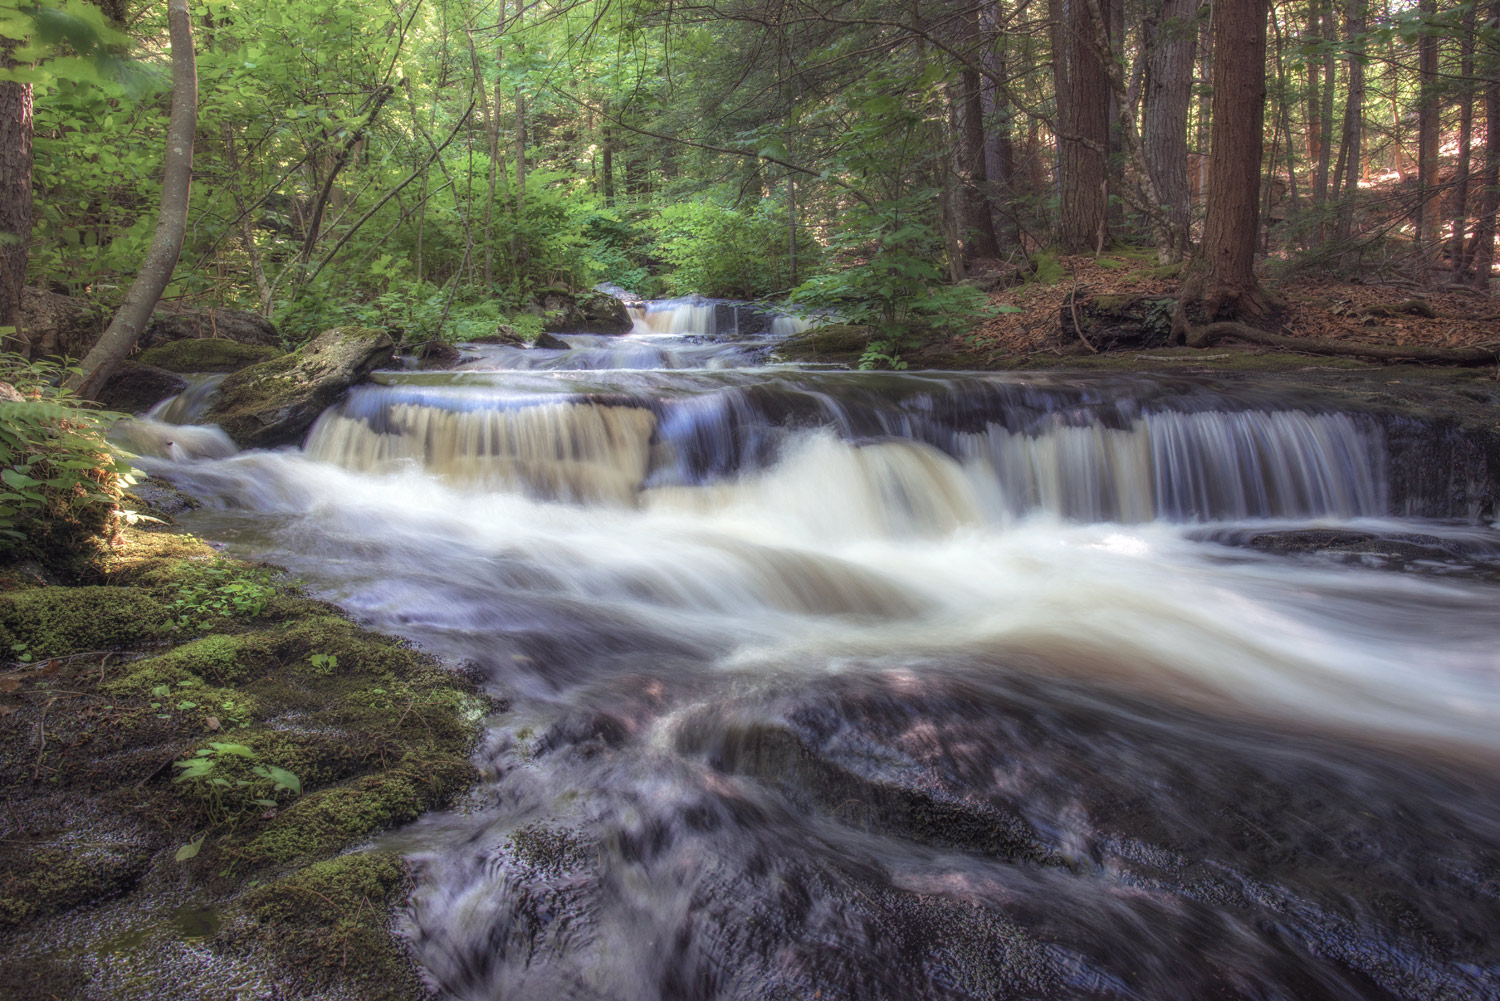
<point>1078,327</point>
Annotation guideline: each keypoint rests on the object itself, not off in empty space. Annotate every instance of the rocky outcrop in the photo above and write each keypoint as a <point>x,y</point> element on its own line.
<point>511,337</point>
<point>56,326</point>
<point>563,312</point>
<point>214,355</point>
<point>172,322</point>
<point>835,343</point>
<point>136,388</point>
<point>275,402</point>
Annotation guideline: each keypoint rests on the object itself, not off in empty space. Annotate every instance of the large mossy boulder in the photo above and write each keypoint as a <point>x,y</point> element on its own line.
<point>207,355</point>
<point>55,326</point>
<point>564,312</point>
<point>603,314</point>
<point>275,402</point>
<point>173,322</point>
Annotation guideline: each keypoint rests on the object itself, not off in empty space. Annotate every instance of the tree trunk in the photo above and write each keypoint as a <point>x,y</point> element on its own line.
<point>171,225</point>
<point>15,196</point>
<point>1325,122</point>
<point>1483,254</point>
<point>999,152</point>
<point>1460,213</point>
<point>979,219</point>
<point>1085,139</point>
<point>1427,136</point>
<point>1354,112</point>
<point>1171,43</point>
<point>1222,277</point>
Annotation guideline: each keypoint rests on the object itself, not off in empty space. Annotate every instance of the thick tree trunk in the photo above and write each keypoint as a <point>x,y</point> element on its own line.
<point>1082,224</point>
<point>171,225</point>
<point>1222,277</point>
<point>999,151</point>
<point>979,220</point>
<point>1171,43</point>
<point>15,197</point>
<point>1460,205</point>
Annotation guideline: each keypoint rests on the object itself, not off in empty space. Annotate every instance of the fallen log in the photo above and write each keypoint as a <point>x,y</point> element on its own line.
<point>1212,333</point>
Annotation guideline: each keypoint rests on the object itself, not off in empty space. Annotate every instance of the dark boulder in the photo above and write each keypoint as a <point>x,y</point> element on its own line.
<point>563,312</point>
<point>603,314</point>
<point>136,387</point>
<point>172,322</point>
<point>56,326</point>
<point>275,402</point>
<point>546,340</point>
<point>504,334</point>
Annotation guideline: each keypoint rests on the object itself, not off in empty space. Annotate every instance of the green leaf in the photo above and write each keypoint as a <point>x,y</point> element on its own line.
<point>190,850</point>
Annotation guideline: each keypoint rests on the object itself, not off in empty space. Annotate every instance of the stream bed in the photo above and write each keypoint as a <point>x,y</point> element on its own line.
<point>842,685</point>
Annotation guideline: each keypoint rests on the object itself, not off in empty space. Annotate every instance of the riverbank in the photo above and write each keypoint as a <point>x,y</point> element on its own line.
<point>193,754</point>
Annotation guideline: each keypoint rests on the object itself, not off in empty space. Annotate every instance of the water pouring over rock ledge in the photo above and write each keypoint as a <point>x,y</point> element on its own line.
<point>920,686</point>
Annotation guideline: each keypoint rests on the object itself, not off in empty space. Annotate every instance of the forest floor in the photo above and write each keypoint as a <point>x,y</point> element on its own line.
<point>1396,313</point>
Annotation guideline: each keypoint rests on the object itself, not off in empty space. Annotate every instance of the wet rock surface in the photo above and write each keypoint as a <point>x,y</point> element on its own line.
<point>174,322</point>
<point>275,402</point>
<point>136,387</point>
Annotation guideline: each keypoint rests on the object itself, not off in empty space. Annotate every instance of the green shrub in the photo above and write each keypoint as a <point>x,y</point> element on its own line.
<point>716,250</point>
<point>60,481</point>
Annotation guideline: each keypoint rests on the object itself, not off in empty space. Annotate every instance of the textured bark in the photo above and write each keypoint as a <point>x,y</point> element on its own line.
<point>15,195</point>
<point>1171,42</point>
<point>1483,254</point>
<point>1347,184</point>
<point>979,220</point>
<point>1460,204</point>
<point>1427,134</point>
<point>1222,277</point>
<point>999,151</point>
<point>1085,138</point>
<point>171,225</point>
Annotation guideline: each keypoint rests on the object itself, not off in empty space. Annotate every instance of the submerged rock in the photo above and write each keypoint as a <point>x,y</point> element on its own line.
<point>207,355</point>
<point>135,388</point>
<point>275,402</point>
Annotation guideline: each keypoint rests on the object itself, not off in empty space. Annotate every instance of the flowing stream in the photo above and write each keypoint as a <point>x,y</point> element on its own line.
<point>858,686</point>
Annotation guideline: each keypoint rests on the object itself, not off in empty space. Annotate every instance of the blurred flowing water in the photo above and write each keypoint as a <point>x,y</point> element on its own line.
<point>859,685</point>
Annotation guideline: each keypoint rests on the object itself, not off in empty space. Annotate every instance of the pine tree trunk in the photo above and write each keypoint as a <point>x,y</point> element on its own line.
<point>1460,205</point>
<point>1427,137</point>
<point>1171,42</point>
<point>1085,142</point>
<point>171,225</point>
<point>1354,110</point>
<point>15,196</point>
<point>1222,277</point>
<point>979,220</point>
<point>1483,254</point>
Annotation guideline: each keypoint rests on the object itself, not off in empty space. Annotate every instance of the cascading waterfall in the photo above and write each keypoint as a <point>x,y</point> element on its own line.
<point>901,685</point>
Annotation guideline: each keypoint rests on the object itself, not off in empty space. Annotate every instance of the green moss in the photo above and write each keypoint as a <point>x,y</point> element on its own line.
<point>332,819</point>
<point>207,355</point>
<point>51,879</point>
<point>1046,269</point>
<point>837,342</point>
<point>316,920</point>
<point>58,620</point>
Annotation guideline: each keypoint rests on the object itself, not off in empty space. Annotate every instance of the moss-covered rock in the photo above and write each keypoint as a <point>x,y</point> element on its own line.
<point>52,621</point>
<point>275,402</point>
<point>136,388</point>
<point>836,343</point>
<point>207,355</point>
<point>175,322</point>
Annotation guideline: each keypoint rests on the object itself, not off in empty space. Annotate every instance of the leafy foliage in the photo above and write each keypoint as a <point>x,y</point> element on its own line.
<point>59,480</point>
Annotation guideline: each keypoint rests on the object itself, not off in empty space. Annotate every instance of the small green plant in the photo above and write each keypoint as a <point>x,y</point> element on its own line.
<point>222,591</point>
<point>228,781</point>
<point>324,663</point>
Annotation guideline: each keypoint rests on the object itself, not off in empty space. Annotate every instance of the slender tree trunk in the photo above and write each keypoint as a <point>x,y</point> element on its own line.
<point>264,293</point>
<point>607,156</point>
<point>171,226</point>
<point>1460,206</point>
<point>979,219</point>
<point>491,125</point>
<point>999,150</point>
<point>15,196</point>
<point>1354,110</point>
<point>1170,41</point>
<point>1325,122</point>
<point>1428,113</point>
<point>1205,101</point>
<point>1085,142</point>
<point>1483,253</point>
<point>1222,277</point>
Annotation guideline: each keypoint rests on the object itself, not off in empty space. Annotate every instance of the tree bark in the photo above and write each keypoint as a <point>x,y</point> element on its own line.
<point>171,224</point>
<point>1354,112</point>
<point>15,196</point>
<point>1483,254</point>
<point>1082,224</point>
<point>1171,43</point>
<point>1428,112</point>
<point>1222,277</point>
<point>979,219</point>
<point>1460,206</point>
